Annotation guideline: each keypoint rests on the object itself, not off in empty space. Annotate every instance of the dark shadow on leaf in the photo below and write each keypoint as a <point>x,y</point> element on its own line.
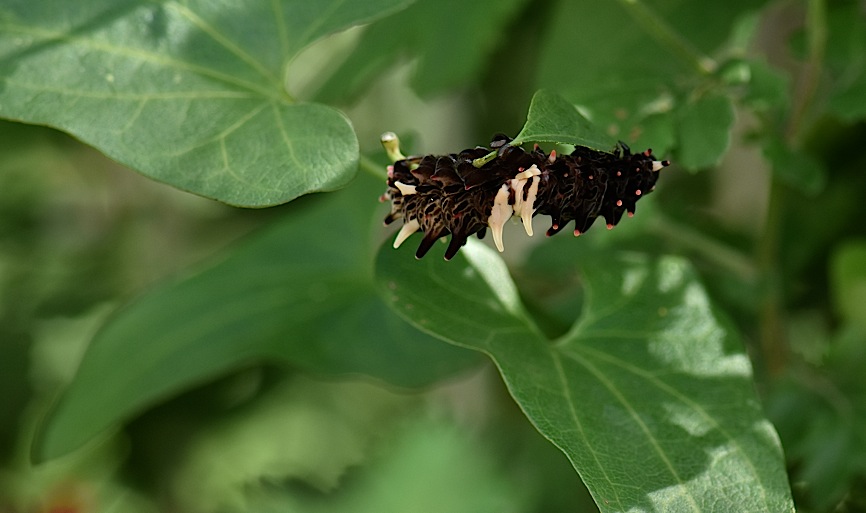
<point>300,294</point>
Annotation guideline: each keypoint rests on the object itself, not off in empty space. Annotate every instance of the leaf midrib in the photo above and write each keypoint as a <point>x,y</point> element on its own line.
<point>654,381</point>
<point>576,419</point>
<point>635,416</point>
<point>225,42</point>
<point>275,92</point>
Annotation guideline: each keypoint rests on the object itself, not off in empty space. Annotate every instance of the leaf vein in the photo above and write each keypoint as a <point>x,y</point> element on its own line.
<point>654,380</point>
<point>144,56</point>
<point>324,16</point>
<point>566,392</point>
<point>282,30</point>
<point>614,390</point>
<point>145,95</point>
<point>224,41</point>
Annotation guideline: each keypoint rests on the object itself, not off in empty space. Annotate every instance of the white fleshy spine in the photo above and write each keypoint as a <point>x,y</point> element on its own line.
<point>522,208</point>
<point>405,189</point>
<point>408,229</point>
<point>500,213</point>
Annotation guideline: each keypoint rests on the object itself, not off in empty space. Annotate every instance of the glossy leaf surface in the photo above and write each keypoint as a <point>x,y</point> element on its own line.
<point>188,93</point>
<point>649,395</point>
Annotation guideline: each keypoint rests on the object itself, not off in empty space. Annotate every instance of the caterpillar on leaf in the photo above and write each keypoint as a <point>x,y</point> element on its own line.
<point>467,193</point>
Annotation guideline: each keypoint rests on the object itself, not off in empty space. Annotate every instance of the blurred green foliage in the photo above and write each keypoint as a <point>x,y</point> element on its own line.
<point>272,377</point>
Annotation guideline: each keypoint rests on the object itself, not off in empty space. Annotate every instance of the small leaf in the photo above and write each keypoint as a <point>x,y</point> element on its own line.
<point>849,102</point>
<point>743,31</point>
<point>301,293</point>
<point>848,275</point>
<point>601,58</point>
<point>704,131</point>
<point>650,395</point>
<point>553,119</point>
<point>796,168</point>
<point>769,88</point>
<point>656,131</point>
<point>845,60</point>
<point>188,93</point>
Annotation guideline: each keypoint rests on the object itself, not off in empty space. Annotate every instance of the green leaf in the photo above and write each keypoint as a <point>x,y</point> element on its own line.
<point>846,60</point>
<point>188,93</point>
<point>552,118</point>
<point>650,395</point>
<point>769,88</point>
<point>451,40</point>
<point>298,431</point>
<point>796,168</point>
<point>766,87</point>
<point>848,278</point>
<point>849,103</point>
<point>704,127</point>
<point>621,73</point>
<point>301,293</point>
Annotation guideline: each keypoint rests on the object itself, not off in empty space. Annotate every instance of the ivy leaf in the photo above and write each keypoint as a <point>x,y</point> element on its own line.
<point>650,394</point>
<point>188,93</point>
<point>292,295</point>
<point>552,118</point>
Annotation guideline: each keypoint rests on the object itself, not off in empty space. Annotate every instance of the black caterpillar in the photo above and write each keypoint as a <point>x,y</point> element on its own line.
<point>464,194</point>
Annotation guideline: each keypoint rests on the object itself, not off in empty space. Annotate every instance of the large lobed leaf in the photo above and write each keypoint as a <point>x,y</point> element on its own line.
<point>189,93</point>
<point>649,395</point>
<point>301,293</point>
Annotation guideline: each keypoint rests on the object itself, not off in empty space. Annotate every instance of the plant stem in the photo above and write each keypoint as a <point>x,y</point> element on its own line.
<point>774,345</point>
<point>810,78</point>
<point>658,28</point>
<point>368,165</point>
<point>722,255</point>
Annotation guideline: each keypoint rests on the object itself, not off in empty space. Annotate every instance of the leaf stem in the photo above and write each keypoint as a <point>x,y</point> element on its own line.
<point>658,28</point>
<point>816,32</point>
<point>774,346</point>
<point>480,161</point>
<point>721,254</point>
<point>370,166</point>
